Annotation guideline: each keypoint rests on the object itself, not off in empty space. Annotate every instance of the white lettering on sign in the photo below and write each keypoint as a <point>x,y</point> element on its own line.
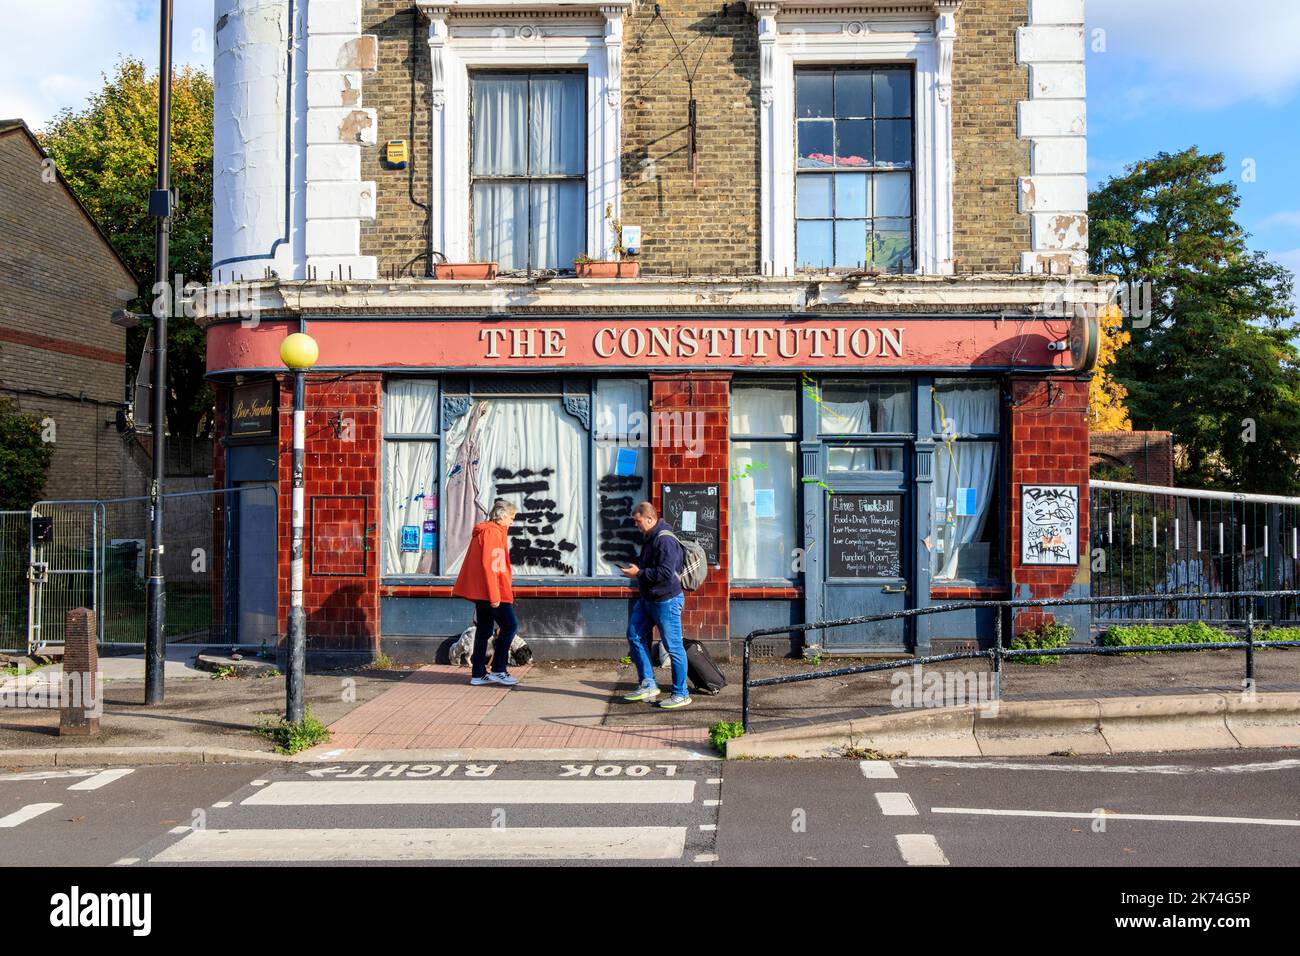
<point>711,342</point>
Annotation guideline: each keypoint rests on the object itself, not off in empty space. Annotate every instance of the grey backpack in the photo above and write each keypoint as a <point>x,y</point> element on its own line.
<point>695,564</point>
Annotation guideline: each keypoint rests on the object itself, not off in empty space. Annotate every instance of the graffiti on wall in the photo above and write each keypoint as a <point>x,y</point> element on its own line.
<point>1049,524</point>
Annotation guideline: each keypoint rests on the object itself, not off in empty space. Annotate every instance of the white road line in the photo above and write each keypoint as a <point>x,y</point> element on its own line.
<point>714,781</point>
<point>29,812</point>
<point>706,858</point>
<point>713,803</point>
<point>708,826</point>
<point>220,804</point>
<point>179,829</point>
<point>46,775</point>
<point>1111,815</point>
<point>878,770</point>
<point>482,843</point>
<point>920,849</point>
<point>102,779</point>
<point>127,861</point>
<point>257,783</point>
<point>1174,769</point>
<point>495,792</point>
<point>896,804</point>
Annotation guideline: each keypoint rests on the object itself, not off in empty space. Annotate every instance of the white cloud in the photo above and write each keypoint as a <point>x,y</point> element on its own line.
<point>57,52</point>
<point>1200,53</point>
<point>1286,218</point>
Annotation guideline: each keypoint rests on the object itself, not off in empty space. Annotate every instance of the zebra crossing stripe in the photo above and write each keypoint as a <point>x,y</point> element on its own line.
<point>297,793</point>
<point>102,779</point>
<point>399,844</point>
<point>920,849</point>
<point>29,812</point>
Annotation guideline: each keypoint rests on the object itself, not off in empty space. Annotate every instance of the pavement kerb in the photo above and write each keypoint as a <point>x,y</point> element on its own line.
<point>1041,728</point>
<point>152,756</point>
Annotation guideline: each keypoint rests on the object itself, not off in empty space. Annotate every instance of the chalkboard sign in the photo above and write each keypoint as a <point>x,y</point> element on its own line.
<point>694,512</point>
<point>866,535</point>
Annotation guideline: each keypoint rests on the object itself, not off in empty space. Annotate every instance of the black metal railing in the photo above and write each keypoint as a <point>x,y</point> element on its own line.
<point>996,653</point>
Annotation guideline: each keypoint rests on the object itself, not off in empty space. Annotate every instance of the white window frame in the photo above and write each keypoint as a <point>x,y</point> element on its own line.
<point>796,34</point>
<point>467,35</point>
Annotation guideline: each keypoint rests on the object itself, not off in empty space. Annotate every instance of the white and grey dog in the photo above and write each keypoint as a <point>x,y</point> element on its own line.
<point>463,649</point>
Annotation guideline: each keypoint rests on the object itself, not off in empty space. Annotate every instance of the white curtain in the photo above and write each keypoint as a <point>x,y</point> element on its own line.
<point>409,476</point>
<point>501,224</point>
<point>763,513</point>
<point>763,410</point>
<point>558,125</point>
<point>558,216</point>
<point>528,451</point>
<point>500,126</point>
<point>963,470</point>
<point>881,409</point>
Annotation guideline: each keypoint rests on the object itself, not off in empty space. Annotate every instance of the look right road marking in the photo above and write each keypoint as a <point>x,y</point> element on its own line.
<point>920,849</point>
<point>494,792</point>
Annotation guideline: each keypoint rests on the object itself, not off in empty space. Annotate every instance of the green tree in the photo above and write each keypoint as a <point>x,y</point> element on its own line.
<point>1216,365</point>
<point>24,458</point>
<point>107,151</point>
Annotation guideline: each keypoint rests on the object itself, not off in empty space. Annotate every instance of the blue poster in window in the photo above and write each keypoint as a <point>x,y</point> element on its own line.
<point>625,462</point>
<point>429,537</point>
<point>764,503</point>
<point>410,537</point>
<point>965,502</point>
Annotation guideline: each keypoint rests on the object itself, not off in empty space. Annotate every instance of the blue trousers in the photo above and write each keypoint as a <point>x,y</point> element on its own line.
<point>667,616</point>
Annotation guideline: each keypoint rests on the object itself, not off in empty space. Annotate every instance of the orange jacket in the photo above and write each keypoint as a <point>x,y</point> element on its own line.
<point>485,572</point>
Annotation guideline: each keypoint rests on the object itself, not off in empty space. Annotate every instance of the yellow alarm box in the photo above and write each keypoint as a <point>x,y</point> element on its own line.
<point>395,154</point>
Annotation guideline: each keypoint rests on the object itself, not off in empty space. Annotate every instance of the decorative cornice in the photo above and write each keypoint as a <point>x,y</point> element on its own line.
<point>532,9</point>
<point>852,8</point>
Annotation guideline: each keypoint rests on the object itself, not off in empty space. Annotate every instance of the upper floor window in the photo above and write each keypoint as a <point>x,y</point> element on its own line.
<point>528,168</point>
<point>853,184</point>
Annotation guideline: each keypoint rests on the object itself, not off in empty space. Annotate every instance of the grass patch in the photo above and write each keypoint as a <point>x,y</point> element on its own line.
<point>1155,635</point>
<point>625,659</point>
<point>1046,636</point>
<point>723,731</point>
<point>224,672</point>
<point>382,662</point>
<point>291,738</point>
<point>870,753</point>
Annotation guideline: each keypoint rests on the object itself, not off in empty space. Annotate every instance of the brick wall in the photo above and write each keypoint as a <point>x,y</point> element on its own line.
<point>342,608</point>
<point>58,283</point>
<point>988,230</point>
<point>706,616</point>
<point>709,220</point>
<point>1148,455</point>
<point>1049,446</point>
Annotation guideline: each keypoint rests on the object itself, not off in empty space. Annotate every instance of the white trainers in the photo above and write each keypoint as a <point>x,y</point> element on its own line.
<point>503,679</point>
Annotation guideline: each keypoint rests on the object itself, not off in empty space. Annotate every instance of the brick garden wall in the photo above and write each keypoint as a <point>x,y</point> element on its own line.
<point>1150,455</point>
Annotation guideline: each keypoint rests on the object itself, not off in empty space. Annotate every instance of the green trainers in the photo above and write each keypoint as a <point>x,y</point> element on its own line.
<point>642,693</point>
<point>672,703</point>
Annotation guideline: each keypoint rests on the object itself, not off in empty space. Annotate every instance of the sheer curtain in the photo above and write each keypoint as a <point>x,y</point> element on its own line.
<point>876,409</point>
<point>963,470</point>
<point>528,451</point>
<point>763,513</point>
<point>409,475</point>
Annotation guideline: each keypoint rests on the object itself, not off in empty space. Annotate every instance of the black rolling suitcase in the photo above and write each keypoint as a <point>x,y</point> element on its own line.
<point>704,675</point>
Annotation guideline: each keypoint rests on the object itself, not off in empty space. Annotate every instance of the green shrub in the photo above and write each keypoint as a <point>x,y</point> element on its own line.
<point>290,738</point>
<point>1051,634</point>
<point>722,731</point>
<point>1143,635</point>
<point>1279,634</point>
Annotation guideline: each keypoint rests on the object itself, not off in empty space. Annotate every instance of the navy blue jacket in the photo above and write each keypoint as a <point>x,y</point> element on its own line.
<point>661,561</point>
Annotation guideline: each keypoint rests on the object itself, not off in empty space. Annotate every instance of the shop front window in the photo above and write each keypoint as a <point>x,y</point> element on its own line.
<point>967,522</point>
<point>858,407</point>
<point>764,480</point>
<point>531,447</point>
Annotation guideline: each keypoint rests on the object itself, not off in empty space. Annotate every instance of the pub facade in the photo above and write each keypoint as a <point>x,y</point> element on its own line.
<point>809,276</point>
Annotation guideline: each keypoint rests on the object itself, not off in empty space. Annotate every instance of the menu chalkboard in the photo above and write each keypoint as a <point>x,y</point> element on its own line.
<point>866,535</point>
<point>694,513</point>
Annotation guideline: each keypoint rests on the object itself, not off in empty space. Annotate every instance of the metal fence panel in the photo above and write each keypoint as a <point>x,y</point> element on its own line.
<point>14,555</point>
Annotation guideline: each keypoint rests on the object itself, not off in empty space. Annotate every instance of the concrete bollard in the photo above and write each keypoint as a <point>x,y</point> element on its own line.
<point>79,704</point>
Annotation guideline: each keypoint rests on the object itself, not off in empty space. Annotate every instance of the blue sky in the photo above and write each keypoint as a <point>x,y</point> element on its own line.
<point>1162,74</point>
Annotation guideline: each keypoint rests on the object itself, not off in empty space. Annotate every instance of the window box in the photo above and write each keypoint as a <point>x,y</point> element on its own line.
<point>465,270</point>
<point>615,269</point>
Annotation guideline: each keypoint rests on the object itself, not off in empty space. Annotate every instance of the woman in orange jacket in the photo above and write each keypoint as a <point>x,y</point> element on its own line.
<point>485,579</point>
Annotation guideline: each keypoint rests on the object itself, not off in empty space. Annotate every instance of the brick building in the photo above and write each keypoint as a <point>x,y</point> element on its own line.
<point>61,359</point>
<point>853,363</point>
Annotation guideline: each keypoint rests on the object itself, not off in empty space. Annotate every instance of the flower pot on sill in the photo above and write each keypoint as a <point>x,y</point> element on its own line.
<point>616,269</point>
<point>465,270</point>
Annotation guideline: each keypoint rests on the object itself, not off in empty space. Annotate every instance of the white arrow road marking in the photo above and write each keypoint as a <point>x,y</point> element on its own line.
<point>1112,815</point>
<point>877,770</point>
<point>920,849</point>
<point>294,793</point>
<point>102,779</point>
<point>896,804</point>
<point>519,843</point>
<point>28,812</point>
<point>1102,768</point>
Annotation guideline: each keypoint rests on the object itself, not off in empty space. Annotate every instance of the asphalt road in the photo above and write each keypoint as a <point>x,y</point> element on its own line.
<point>1189,810</point>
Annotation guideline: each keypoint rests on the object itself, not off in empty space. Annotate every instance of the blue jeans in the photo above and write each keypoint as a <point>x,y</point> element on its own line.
<point>667,616</point>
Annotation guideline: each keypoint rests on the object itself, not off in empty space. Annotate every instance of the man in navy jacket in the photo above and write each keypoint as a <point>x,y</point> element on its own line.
<point>660,605</point>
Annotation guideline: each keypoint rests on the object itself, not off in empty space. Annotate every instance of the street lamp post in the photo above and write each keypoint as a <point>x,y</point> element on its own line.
<point>299,353</point>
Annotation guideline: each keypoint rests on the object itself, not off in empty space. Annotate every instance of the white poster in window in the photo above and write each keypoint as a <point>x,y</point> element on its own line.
<point>688,521</point>
<point>1049,524</point>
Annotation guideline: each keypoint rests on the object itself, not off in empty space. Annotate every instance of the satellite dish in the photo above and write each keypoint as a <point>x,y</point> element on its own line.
<point>1085,340</point>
